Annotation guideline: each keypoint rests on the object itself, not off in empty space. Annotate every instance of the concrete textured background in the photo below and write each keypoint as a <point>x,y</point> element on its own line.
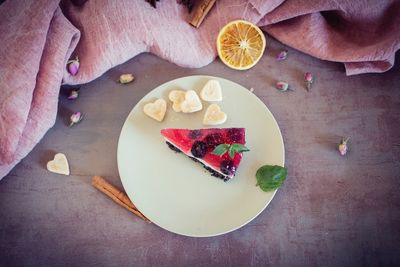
<point>331,211</point>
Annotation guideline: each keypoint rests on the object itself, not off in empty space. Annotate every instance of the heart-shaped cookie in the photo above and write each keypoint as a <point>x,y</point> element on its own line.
<point>211,91</point>
<point>59,164</point>
<point>214,115</point>
<point>191,103</point>
<point>177,97</point>
<point>156,110</point>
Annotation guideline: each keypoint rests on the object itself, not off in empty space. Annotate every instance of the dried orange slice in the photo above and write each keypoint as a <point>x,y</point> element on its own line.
<point>240,44</point>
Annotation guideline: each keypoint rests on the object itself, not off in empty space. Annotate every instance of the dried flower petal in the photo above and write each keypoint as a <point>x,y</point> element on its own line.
<point>343,147</point>
<point>309,79</point>
<point>74,94</point>
<point>126,78</point>
<point>282,86</point>
<point>75,118</point>
<point>73,66</point>
<point>282,55</point>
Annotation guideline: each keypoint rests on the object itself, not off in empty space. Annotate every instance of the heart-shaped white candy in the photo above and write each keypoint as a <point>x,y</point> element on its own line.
<point>59,164</point>
<point>177,97</point>
<point>214,115</point>
<point>191,103</point>
<point>211,91</point>
<point>156,110</point>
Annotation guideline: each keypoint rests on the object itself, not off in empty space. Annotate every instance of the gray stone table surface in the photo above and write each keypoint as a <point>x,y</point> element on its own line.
<point>331,211</point>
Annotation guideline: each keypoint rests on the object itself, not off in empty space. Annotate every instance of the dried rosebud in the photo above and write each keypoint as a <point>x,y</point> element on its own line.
<point>73,66</point>
<point>343,147</point>
<point>74,94</point>
<point>126,78</point>
<point>309,79</point>
<point>282,55</point>
<point>75,118</point>
<point>282,86</point>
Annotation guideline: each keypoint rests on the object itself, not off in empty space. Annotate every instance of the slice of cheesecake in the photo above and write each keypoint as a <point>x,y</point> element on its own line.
<point>200,144</point>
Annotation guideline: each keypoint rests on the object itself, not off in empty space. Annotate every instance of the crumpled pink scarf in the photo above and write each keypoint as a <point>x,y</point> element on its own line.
<point>39,36</point>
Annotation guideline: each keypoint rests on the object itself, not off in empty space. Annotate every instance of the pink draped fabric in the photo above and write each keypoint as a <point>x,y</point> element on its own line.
<point>39,36</point>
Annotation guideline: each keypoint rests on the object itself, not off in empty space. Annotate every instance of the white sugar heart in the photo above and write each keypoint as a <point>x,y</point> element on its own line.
<point>214,115</point>
<point>156,110</point>
<point>177,97</point>
<point>191,103</point>
<point>211,91</point>
<point>59,164</point>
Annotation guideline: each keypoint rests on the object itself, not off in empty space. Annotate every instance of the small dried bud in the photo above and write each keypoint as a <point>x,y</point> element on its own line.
<point>73,66</point>
<point>75,118</point>
<point>74,94</point>
<point>343,147</point>
<point>309,79</point>
<point>126,78</point>
<point>282,55</point>
<point>282,86</point>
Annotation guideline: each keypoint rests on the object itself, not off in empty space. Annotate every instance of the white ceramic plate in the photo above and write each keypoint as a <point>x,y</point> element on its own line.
<point>178,194</point>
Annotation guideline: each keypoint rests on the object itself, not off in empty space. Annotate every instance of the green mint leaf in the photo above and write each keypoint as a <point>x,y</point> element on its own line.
<point>220,149</point>
<point>231,152</point>
<point>231,148</point>
<point>270,177</point>
<point>238,148</point>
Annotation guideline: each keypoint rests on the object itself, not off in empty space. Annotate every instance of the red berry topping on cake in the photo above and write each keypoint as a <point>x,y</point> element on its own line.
<point>235,135</point>
<point>213,140</point>
<point>199,149</point>
<point>194,134</point>
<point>228,167</point>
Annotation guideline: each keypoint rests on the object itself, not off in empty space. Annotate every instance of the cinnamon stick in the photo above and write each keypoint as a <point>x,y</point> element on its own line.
<point>119,197</point>
<point>201,12</point>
